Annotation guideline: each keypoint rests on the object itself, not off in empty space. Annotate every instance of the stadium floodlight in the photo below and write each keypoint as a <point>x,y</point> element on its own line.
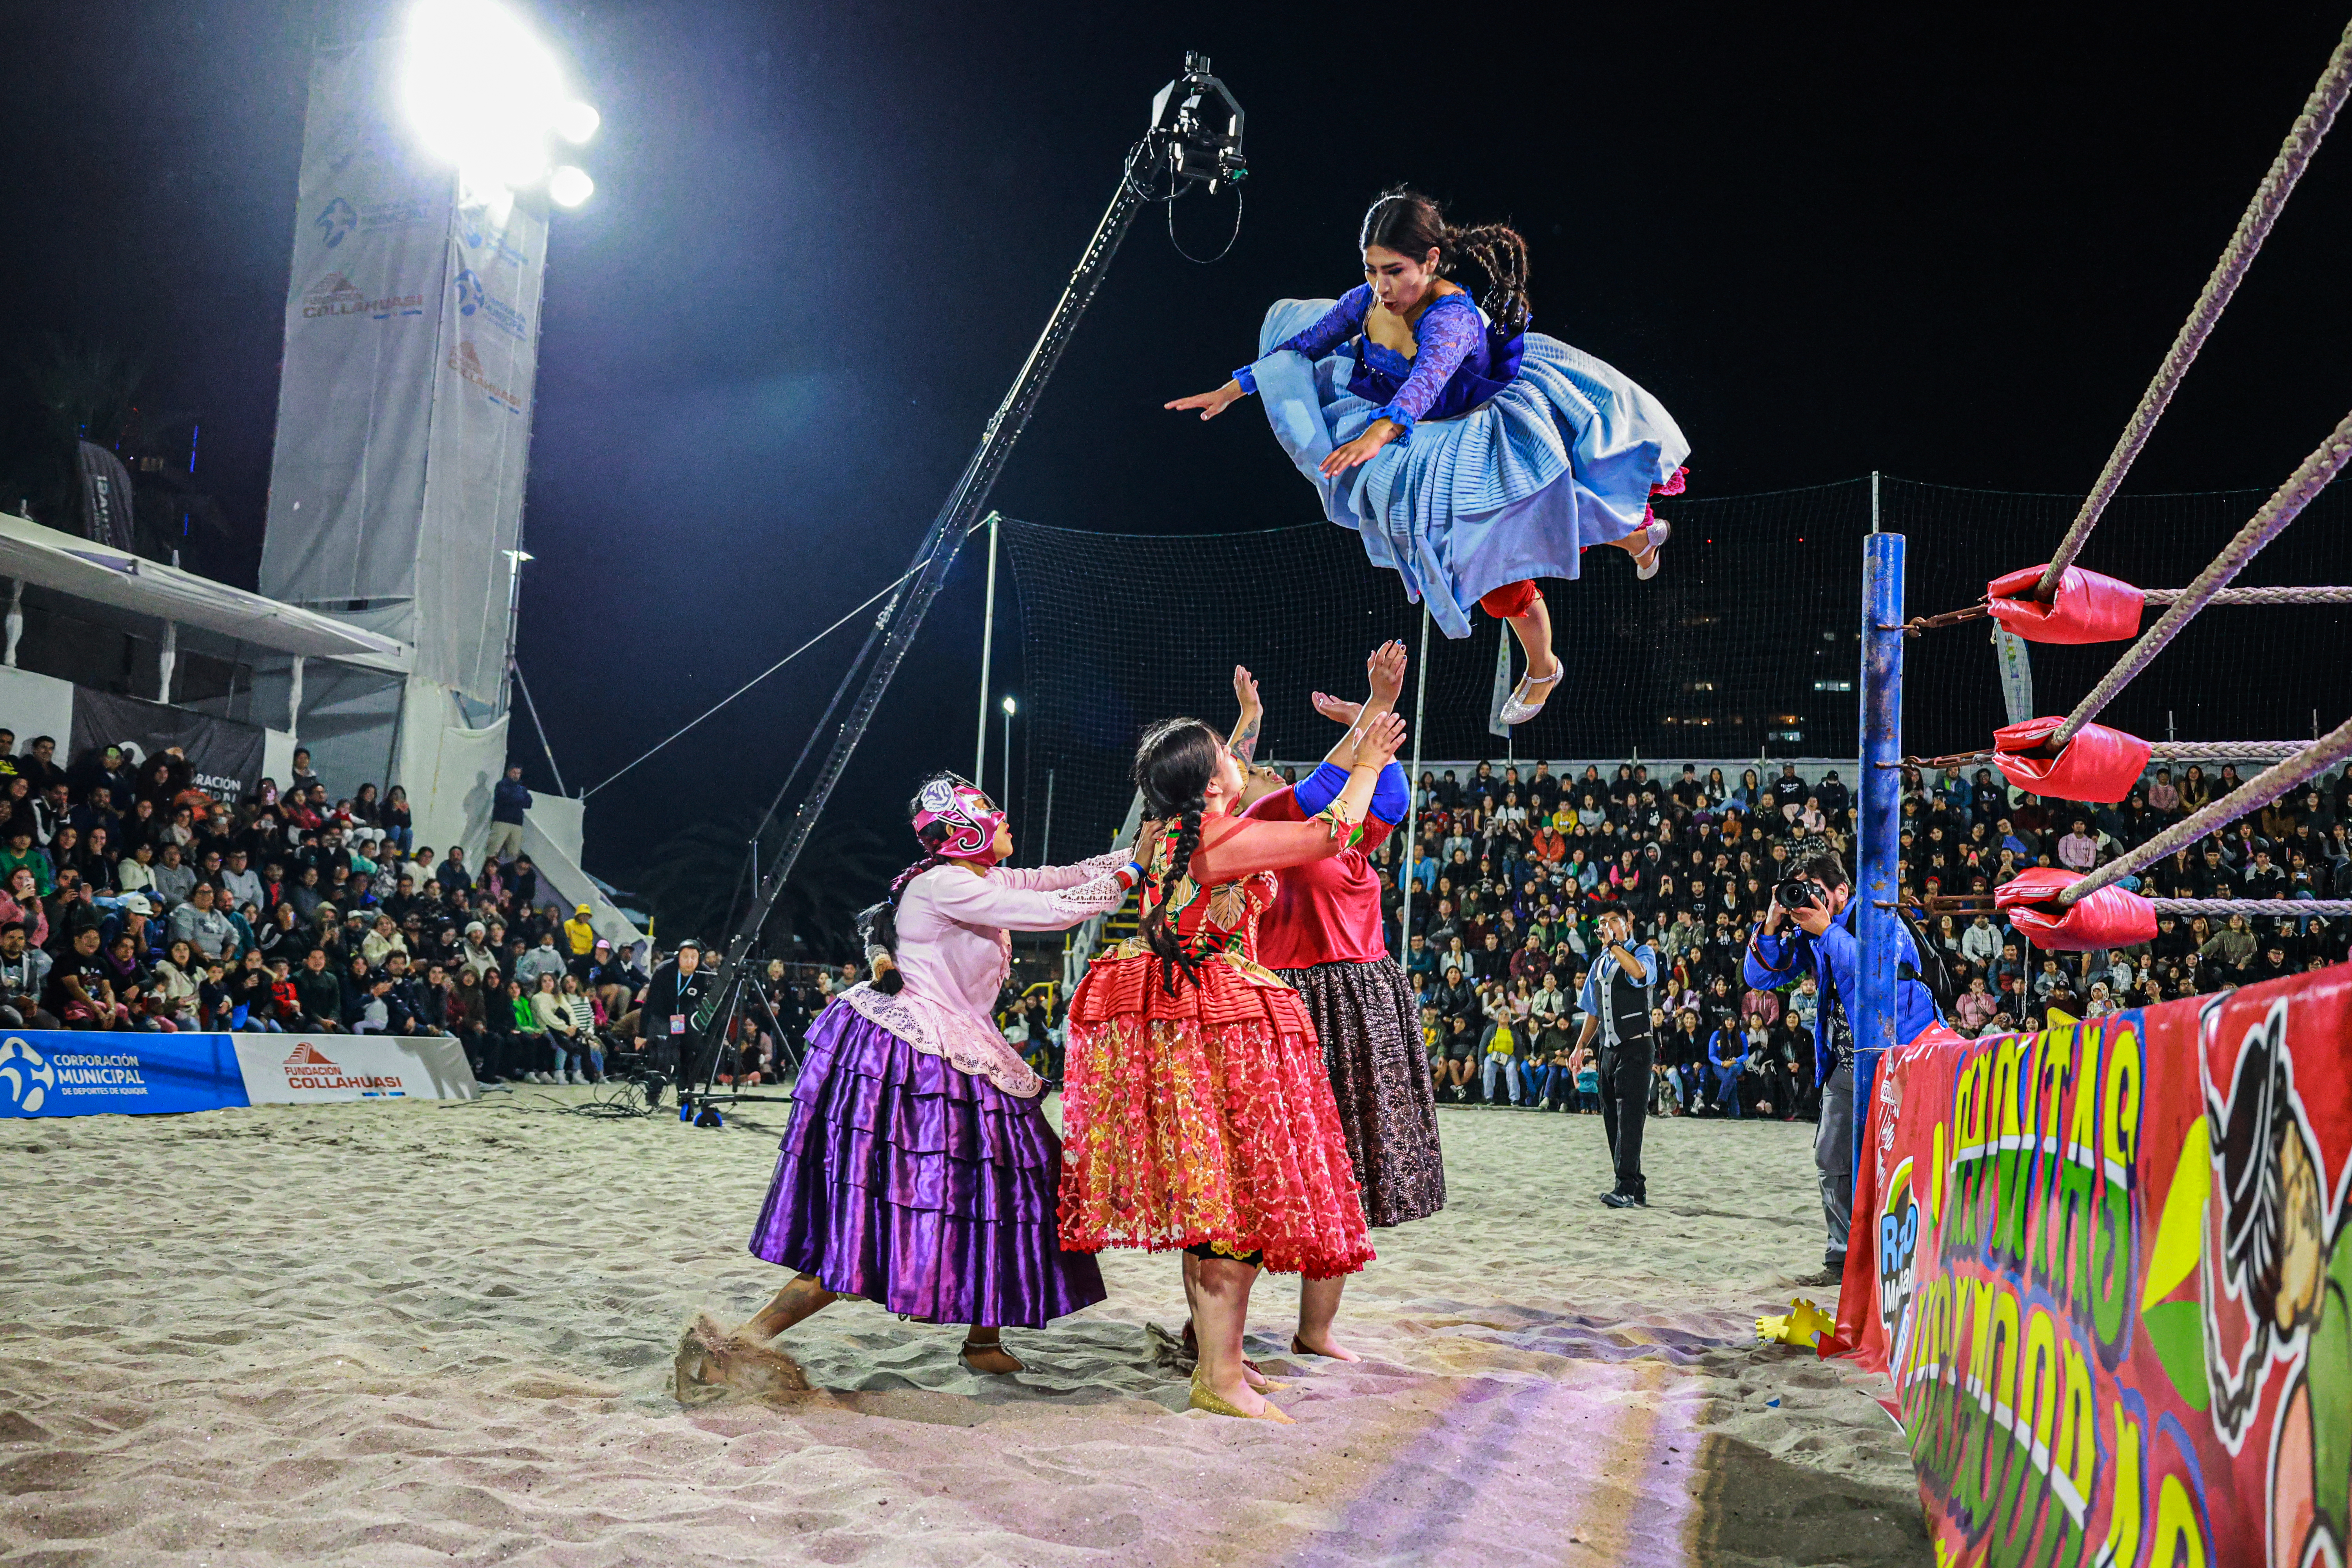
<point>568,187</point>
<point>484,94</point>
<point>577,121</point>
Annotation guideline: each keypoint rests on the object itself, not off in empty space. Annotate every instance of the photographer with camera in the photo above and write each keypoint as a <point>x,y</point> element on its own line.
<point>1616,1005</point>
<point>1818,901</point>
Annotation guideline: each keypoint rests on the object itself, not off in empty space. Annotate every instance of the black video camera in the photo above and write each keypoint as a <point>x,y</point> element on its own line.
<point>1200,124</point>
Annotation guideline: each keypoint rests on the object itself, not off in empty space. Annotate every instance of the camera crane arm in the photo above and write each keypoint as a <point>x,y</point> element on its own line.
<point>1194,139</point>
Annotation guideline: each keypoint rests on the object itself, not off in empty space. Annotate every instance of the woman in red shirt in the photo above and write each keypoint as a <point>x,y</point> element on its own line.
<point>1325,936</point>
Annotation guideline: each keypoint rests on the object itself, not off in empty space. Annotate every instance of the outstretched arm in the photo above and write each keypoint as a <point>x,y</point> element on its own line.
<point>1243,743</point>
<point>987,901</point>
<point>1340,323</point>
<point>1391,794</point>
<point>1240,847</point>
<point>1053,878</point>
<point>1442,339</point>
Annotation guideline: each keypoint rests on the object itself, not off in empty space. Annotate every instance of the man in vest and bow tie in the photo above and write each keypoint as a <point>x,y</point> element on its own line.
<point>1616,1005</point>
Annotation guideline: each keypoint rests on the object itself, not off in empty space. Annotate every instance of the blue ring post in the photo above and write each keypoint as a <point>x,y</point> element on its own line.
<point>1878,830</point>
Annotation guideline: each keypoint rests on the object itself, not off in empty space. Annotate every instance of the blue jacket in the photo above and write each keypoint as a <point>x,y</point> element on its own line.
<point>1777,958</point>
<point>509,801</point>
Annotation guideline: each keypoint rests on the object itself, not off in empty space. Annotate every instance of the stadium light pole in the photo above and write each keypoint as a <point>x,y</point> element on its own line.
<point>1004,802</point>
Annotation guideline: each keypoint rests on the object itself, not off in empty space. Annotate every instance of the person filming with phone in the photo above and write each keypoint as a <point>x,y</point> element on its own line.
<point>1810,930</point>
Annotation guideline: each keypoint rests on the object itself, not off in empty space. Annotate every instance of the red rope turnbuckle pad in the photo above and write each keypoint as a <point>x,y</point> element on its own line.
<point>2099,764</point>
<point>2110,916</point>
<point>2088,607</point>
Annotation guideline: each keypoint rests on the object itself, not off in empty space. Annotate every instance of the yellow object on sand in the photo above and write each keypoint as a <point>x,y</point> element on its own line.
<point>1804,1325</point>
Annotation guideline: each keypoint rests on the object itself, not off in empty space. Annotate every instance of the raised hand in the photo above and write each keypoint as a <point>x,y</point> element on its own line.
<point>1385,670</point>
<point>1338,709</point>
<point>1243,743</point>
<point>1210,403</point>
<point>1382,738</point>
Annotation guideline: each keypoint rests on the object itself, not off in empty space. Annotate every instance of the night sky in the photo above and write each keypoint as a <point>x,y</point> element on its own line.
<point>1949,247</point>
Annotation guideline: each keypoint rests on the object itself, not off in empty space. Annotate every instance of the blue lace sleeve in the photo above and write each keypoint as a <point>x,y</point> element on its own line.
<point>1442,339</point>
<point>1340,323</point>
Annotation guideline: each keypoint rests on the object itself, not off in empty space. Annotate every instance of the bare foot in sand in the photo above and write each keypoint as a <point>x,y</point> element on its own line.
<point>713,1364</point>
<point>1326,1346</point>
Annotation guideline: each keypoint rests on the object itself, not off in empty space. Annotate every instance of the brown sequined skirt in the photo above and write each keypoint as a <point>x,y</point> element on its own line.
<point>1364,1015</point>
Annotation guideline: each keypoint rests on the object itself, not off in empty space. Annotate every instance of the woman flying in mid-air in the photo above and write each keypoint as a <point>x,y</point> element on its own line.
<point>1470,454</point>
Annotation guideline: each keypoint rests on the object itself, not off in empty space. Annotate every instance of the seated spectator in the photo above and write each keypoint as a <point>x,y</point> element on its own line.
<point>1975,1007</point>
<point>1726,1056</point>
<point>24,980</point>
<point>542,960</point>
<point>79,994</point>
<point>527,1043</point>
<point>22,854</point>
<point>20,905</point>
<point>1498,1053</point>
<point>206,931</point>
<point>381,941</point>
<point>177,979</point>
<point>566,1040</point>
<point>316,996</point>
<point>174,880</point>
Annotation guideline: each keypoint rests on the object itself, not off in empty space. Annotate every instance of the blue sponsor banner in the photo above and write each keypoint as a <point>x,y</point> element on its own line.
<point>68,1072</point>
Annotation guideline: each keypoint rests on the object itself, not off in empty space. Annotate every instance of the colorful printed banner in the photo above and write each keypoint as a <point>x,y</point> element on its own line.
<point>2105,1268</point>
<point>61,1072</point>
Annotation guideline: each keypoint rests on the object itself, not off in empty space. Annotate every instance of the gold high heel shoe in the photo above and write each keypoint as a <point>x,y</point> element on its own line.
<point>1206,1398</point>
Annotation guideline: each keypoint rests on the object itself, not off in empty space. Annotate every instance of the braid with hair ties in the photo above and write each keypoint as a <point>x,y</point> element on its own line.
<point>1502,256</point>
<point>1157,933</point>
<point>1173,765</point>
<point>1403,220</point>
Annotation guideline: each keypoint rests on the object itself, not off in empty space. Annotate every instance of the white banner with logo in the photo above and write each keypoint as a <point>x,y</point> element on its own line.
<point>308,1069</point>
<point>404,410</point>
<point>480,445</point>
<point>363,314</point>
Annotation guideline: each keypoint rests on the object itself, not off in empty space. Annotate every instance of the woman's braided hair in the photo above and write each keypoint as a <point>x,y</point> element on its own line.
<point>1173,765</point>
<point>1403,220</point>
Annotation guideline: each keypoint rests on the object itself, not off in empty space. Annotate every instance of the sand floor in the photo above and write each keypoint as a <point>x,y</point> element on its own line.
<point>406,1333</point>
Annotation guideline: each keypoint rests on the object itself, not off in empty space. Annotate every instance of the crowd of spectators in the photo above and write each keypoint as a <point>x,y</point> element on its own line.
<point>132,898</point>
<point>1513,868</point>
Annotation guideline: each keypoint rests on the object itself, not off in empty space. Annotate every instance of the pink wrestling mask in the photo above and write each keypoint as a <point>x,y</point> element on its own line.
<point>968,817</point>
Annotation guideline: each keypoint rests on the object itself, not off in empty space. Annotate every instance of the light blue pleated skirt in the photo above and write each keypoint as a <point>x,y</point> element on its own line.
<point>1564,458</point>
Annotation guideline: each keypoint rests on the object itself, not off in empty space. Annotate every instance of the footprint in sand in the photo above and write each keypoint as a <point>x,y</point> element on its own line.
<point>713,1364</point>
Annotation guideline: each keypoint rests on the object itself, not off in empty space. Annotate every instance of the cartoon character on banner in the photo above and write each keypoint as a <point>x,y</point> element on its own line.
<point>2277,1289</point>
<point>1898,1249</point>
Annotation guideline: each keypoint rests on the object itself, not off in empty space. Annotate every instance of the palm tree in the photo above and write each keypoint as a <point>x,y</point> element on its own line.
<point>85,393</point>
<point>89,392</point>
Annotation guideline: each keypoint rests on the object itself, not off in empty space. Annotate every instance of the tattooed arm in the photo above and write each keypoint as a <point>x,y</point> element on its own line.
<point>1244,744</point>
